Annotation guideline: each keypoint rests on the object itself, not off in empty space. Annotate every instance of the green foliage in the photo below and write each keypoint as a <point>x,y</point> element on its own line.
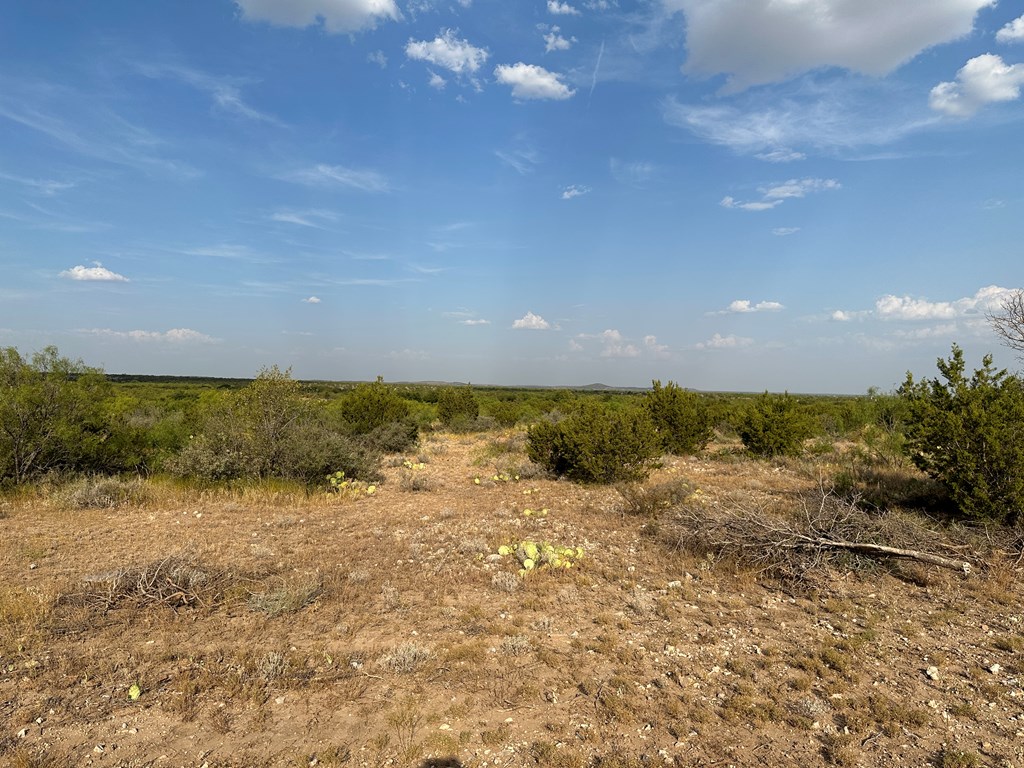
<point>534,556</point>
<point>51,415</point>
<point>967,433</point>
<point>269,429</point>
<point>457,407</point>
<point>774,426</point>
<point>371,406</point>
<point>679,417</point>
<point>505,413</point>
<point>595,444</point>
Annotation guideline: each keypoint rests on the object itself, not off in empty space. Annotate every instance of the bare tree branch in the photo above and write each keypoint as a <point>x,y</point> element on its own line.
<point>1008,322</point>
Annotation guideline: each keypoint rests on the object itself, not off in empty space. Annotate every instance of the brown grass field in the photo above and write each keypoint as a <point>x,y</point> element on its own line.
<point>269,627</point>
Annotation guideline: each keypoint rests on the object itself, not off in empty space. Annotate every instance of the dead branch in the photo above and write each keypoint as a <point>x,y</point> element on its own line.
<point>1008,322</point>
<point>793,546</point>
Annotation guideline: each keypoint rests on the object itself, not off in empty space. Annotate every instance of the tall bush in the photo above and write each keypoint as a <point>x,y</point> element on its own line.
<point>679,417</point>
<point>968,433</point>
<point>457,407</point>
<point>773,425</point>
<point>594,444</point>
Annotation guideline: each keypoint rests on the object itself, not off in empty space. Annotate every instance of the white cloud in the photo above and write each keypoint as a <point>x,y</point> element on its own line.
<point>776,194</point>
<point>745,305</point>
<point>331,175</point>
<point>377,57</point>
<point>946,330</point>
<point>575,346</point>
<point>780,155</point>
<point>312,300</point>
<point>614,345</point>
<point>173,336</point>
<point>304,218</point>
<point>731,202</point>
<point>529,81</point>
<point>47,187</point>
<point>986,299</point>
<point>532,322</point>
<point>763,41</point>
<point>223,90</point>
<point>98,273</point>
<point>561,9</point>
<point>842,316</point>
<point>553,41</point>
<point>784,231</point>
<point>436,81</point>
<point>448,51</point>
<point>718,341</point>
<point>335,15</point>
<point>652,345</point>
<point>982,80</point>
<point>574,190</point>
<point>1013,32</point>
<point>475,321</point>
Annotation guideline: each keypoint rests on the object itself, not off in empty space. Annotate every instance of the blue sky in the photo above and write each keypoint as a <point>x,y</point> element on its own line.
<point>812,195</point>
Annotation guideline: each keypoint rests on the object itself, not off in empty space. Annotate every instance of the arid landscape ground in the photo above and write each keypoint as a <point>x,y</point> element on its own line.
<point>271,628</point>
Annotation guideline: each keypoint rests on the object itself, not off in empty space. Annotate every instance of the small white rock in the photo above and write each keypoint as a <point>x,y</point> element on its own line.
<point>994,669</point>
<point>932,673</point>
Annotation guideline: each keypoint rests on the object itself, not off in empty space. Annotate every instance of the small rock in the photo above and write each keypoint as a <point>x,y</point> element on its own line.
<point>99,749</point>
<point>444,727</point>
<point>994,669</point>
<point>23,733</point>
<point>932,673</point>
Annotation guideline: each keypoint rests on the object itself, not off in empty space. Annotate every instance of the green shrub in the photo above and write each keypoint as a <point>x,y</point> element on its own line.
<point>774,426</point>
<point>594,444</point>
<point>967,433</point>
<point>457,407</point>
<point>371,406</point>
<point>505,413</point>
<point>679,417</point>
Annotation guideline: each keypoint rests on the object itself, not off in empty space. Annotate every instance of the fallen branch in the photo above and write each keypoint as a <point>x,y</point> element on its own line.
<point>884,551</point>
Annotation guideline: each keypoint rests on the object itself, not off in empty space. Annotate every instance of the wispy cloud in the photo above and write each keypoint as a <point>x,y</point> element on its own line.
<point>633,174</point>
<point>574,190</point>
<point>311,300</point>
<point>718,341</point>
<point>173,336</point>
<point>776,194</point>
<point>47,187</point>
<point>311,218</point>
<point>224,91</point>
<point>336,16</point>
<point>324,175</point>
<point>524,160</point>
<point>785,231</point>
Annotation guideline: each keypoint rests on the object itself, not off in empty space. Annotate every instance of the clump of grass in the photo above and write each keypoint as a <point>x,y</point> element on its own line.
<point>506,581</point>
<point>271,665</point>
<point>289,597</point>
<point>102,493</point>
<point>954,758</point>
<point>515,645</point>
<point>405,659</point>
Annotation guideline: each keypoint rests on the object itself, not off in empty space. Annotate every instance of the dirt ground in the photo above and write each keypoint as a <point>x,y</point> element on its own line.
<point>272,629</point>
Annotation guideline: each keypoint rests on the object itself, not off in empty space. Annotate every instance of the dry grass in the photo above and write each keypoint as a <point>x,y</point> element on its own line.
<point>267,626</point>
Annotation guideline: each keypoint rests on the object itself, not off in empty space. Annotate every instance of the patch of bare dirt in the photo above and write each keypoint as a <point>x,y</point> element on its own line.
<point>384,629</point>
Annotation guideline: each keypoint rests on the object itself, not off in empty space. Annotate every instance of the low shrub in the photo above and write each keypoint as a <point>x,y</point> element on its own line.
<point>103,493</point>
<point>594,444</point>
<point>457,408</point>
<point>371,406</point>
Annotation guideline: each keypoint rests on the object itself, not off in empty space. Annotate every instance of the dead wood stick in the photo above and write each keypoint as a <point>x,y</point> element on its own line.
<point>879,549</point>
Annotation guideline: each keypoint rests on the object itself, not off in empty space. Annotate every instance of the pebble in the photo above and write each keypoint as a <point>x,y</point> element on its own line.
<point>994,669</point>
<point>932,672</point>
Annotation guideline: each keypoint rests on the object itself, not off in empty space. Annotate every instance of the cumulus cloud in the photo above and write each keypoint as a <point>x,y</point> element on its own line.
<point>529,81</point>
<point>553,41</point>
<point>745,305</point>
<point>173,336</point>
<point>763,41</point>
<point>436,81</point>
<point>561,9</point>
<point>574,190</point>
<point>532,322</point>
<point>982,80</point>
<point>97,273</point>
<point>652,346</point>
<point>312,300</point>
<point>448,51</point>
<point>776,194</point>
<point>335,15</point>
<point>1013,32</point>
<point>718,341</point>
<point>614,345</point>
<point>987,299</point>
<point>322,175</point>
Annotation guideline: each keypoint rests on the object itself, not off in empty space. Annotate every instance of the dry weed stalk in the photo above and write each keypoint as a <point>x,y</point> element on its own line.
<point>794,547</point>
